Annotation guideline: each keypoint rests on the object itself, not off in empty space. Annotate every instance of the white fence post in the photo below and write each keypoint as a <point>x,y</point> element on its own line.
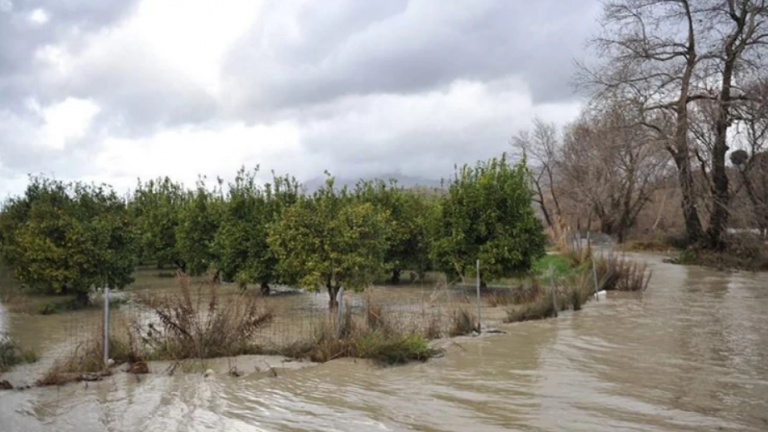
<point>106,326</point>
<point>479,318</point>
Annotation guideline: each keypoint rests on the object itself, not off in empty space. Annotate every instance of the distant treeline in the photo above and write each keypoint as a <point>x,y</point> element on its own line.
<point>61,237</point>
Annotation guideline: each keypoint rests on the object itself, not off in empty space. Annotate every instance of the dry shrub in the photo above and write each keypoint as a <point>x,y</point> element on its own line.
<point>462,321</point>
<point>374,336</point>
<point>744,251</point>
<point>515,296</point>
<point>617,273</point>
<point>579,257</point>
<point>202,324</point>
<point>87,357</point>
<point>541,308</point>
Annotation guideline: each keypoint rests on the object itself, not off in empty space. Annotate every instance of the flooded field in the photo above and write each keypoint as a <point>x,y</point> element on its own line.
<point>690,354</point>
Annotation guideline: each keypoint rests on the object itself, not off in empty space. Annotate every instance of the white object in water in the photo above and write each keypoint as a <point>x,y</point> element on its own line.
<point>602,294</point>
<point>110,362</point>
<point>208,373</point>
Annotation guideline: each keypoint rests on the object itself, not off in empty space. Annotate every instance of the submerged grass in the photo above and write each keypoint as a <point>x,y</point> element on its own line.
<point>373,336</point>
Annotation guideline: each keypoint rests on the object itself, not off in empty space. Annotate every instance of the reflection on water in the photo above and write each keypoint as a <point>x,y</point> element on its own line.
<point>691,354</point>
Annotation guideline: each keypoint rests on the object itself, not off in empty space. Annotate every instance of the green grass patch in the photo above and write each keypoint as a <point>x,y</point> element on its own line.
<point>559,263</point>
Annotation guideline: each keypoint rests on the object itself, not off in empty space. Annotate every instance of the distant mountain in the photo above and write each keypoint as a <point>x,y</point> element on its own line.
<point>402,180</point>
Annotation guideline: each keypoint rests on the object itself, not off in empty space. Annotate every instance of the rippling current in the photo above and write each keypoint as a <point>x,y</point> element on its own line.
<point>690,354</point>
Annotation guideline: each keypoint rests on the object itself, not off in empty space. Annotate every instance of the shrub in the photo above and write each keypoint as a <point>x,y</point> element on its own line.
<point>462,322</point>
<point>541,308</point>
<point>515,296</point>
<point>373,337</point>
<point>11,354</point>
<point>202,324</point>
<point>616,273</point>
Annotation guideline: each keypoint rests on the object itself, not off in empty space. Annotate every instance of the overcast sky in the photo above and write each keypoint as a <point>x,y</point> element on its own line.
<point>111,91</point>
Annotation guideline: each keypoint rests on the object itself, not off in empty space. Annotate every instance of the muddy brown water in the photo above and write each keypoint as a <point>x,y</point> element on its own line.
<point>690,354</point>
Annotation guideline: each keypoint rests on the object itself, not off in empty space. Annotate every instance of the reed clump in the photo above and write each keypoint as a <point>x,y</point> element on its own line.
<point>373,336</point>
<point>617,273</point>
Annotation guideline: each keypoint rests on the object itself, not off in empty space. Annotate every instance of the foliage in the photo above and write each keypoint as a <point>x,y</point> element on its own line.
<point>67,238</point>
<point>331,240</point>
<point>198,222</point>
<point>240,244</point>
<point>409,219</point>
<point>488,215</point>
<point>155,209</point>
<point>559,263</point>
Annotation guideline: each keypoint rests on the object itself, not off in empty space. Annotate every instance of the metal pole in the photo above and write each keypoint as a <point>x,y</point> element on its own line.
<point>594,275</point>
<point>106,326</point>
<point>552,285</point>
<point>479,319</point>
<point>340,303</point>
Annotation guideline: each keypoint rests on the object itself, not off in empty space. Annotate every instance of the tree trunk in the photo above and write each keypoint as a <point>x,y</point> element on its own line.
<point>395,276</point>
<point>264,289</point>
<point>693,230</point>
<point>333,291</point>
<point>718,219</point>
<point>681,151</point>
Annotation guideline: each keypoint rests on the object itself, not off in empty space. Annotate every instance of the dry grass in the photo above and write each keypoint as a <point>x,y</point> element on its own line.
<point>617,273</point>
<point>462,322</point>
<point>86,358</point>
<point>515,296</point>
<point>373,336</point>
<point>202,323</point>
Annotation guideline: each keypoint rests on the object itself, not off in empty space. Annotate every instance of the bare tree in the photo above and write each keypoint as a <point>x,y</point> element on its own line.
<point>541,147</point>
<point>663,56</point>
<point>751,161</point>
<point>613,164</point>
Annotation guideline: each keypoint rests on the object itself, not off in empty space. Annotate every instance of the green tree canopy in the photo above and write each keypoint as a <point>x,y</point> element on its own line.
<point>488,215</point>
<point>68,238</point>
<point>155,210</point>
<point>199,220</point>
<point>409,213</point>
<point>240,244</point>
<point>331,240</point>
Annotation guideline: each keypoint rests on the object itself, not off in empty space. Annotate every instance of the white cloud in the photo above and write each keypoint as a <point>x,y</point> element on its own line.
<point>39,16</point>
<point>66,121</point>
<point>186,152</point>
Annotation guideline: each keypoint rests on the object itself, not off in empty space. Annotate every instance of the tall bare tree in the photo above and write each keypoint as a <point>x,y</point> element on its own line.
<point>663,56</point>
<point>614,165</point>
<point>541,146</point>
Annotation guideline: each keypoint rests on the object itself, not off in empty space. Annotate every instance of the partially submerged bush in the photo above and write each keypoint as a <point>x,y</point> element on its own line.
<point>373,337</point>
<point>541,308</point>
<point>617,273</point>
<point>202,324</point>
<point>11,354</point>
<point>523,294</point>
<point>462,322</point>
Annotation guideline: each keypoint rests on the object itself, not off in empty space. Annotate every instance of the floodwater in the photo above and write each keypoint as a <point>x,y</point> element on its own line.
<point>690,354</point>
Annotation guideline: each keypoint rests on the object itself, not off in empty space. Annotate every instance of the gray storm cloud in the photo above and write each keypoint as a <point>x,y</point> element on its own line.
<point>361,88</point>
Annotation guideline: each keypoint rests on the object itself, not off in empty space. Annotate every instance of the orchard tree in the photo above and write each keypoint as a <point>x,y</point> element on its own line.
<point>408,242</point>
<point>67,238</point>
<point>199,221</point>
<point>331,240</point>
<point>240,245</point>
<point>488,215</point>
<point>155,209</point>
